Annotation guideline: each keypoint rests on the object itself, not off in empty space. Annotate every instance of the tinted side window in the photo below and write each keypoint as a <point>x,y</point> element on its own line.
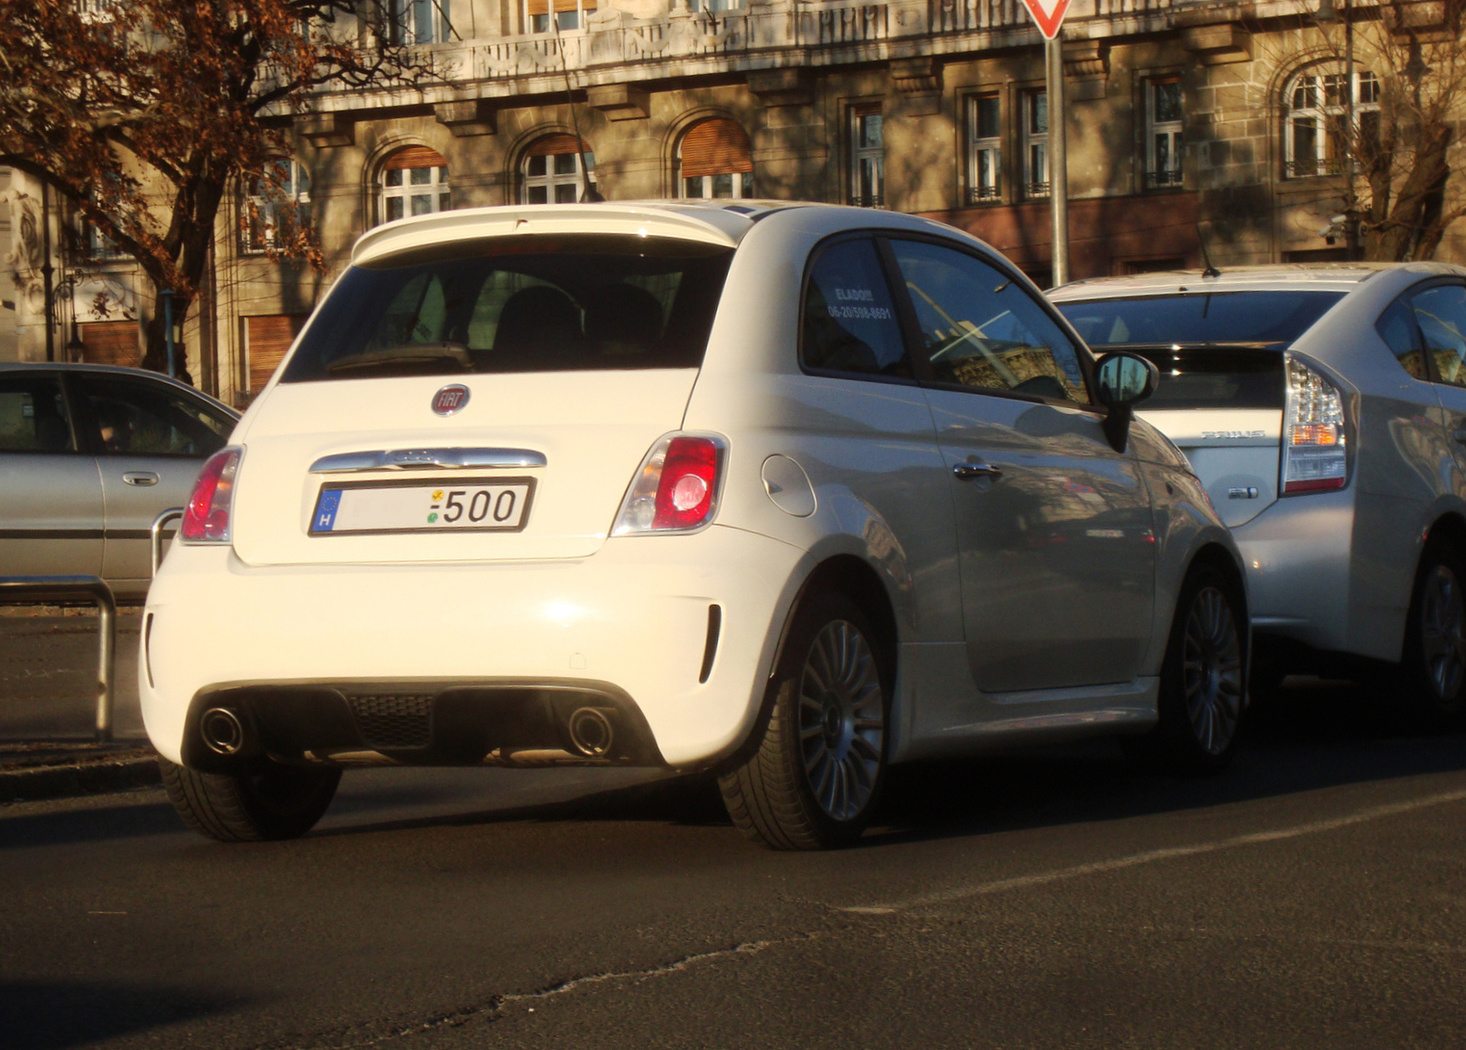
<point>144,419</point>
<point>980,329</point>
<point>1396,326</point>
<point>850,323</point>
<point>1441,313</point>
<point>33,415</point>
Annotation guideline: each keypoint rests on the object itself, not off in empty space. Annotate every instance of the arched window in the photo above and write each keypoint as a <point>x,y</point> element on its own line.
<point>414,181</point>
<point>275,205</point>
<point>714,160</point>
<point>551,171</point>
<point>1316,104</point>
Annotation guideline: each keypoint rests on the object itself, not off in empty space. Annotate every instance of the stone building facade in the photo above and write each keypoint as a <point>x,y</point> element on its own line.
<point>1188,124</point>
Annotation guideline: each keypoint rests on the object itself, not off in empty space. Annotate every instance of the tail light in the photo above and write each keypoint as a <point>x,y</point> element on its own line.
<point>206,515</point>
<point>1315,454</point>
<point>676,488</point>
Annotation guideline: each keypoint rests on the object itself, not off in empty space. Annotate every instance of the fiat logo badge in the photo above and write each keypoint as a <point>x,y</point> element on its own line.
<point>450,399</point>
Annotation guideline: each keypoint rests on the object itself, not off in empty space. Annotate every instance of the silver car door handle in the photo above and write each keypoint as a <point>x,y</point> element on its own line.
<point>968,471</point>
<point>140,477</point>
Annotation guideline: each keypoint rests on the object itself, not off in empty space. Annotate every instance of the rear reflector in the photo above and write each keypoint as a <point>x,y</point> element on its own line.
<point>1315,458</point>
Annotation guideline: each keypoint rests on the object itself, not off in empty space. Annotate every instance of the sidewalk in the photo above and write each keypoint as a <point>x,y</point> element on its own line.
<point>48,668</point>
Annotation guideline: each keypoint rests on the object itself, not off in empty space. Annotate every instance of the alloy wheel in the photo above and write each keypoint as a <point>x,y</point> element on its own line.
<point>1212,671</point>
<point>841,720</point>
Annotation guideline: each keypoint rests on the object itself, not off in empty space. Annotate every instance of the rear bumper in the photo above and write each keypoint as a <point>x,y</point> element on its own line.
<point>1311,583</point>
<point>670,637</point>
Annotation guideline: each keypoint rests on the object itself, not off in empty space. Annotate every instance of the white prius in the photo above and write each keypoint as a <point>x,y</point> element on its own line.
<point>788,492</point>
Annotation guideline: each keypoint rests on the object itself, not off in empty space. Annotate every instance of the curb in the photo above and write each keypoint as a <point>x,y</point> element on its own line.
<point>33,777</point>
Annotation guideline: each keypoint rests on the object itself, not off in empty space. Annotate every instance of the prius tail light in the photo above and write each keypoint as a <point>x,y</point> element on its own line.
<point>1315,445</point>
<point>206,515</point>
<point>676,487</point>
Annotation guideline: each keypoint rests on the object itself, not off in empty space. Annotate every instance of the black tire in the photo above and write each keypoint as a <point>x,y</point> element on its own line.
<point>275,802</point>
<point>816,765</point>
<point>1434,667</point>
<point>1203,682</point>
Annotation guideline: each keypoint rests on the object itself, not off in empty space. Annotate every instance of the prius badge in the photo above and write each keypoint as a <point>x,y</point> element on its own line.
<point>450,399</point>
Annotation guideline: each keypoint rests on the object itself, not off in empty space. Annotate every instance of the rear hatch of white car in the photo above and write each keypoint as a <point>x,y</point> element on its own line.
<point>1230,387</point>
<point>472,398</point>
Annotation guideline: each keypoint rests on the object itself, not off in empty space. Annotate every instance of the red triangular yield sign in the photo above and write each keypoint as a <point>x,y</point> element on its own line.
<point>1048,14</point>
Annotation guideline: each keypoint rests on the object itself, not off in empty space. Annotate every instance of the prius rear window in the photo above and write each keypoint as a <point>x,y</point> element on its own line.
<point>518,304</point>
<point>1198,319</point>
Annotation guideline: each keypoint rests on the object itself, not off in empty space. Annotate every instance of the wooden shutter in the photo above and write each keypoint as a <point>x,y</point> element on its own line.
<point>266,340</point>
<point>415,157</point>
<point>111,343</point>
<point>551,145</point>
<point>715,147</point>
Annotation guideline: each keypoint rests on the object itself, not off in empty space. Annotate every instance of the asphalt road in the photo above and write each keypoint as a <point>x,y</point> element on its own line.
<point>1313,896</point>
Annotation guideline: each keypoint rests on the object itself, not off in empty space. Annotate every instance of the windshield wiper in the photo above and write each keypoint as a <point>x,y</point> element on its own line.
<point>406,359</point>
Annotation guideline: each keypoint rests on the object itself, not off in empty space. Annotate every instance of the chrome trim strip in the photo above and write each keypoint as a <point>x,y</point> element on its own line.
<point>430,458</point>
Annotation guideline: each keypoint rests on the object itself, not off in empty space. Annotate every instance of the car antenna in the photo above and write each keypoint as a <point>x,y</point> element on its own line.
<point>1210,271</point>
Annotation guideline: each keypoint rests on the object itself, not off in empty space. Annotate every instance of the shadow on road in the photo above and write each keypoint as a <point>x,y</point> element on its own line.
<point>52,1015</point>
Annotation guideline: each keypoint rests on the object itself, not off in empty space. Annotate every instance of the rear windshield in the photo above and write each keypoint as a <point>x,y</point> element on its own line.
<point>518,304</point>
<point>1210,317</point>
<point>1216,377</point>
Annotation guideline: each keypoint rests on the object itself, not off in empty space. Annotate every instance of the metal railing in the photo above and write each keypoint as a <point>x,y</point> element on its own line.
<point>40,589</point>
<point>36,590</point>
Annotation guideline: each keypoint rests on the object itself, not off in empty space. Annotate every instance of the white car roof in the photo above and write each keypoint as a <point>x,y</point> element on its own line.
<point>722,222</point>
<point>714,222</point>
<point>1341,277</point>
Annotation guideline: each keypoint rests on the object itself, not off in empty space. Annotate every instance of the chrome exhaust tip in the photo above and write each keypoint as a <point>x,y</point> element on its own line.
<point>590,732</point>
<point>222,731</point>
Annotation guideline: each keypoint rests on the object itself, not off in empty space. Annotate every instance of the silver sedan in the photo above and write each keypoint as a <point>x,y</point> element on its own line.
<point>89,456</point>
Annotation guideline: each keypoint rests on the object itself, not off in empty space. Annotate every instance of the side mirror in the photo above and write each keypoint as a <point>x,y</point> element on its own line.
<point>1125,380</point>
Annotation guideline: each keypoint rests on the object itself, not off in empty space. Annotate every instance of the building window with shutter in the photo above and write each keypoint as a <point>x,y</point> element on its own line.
<point>569,14</point>
<point>276,208</point>
<point>714,161</point>
<point>867,157</point>
<point>552,171</point>
<point>985,148</point>
<point>1163,119</point>
<point>414,181</point>
<point>1036,143</point>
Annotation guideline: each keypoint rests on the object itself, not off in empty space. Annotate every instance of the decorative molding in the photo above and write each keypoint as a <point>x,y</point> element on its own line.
<point>1216,45</point>
<point>781,87</point>
<point>325,130</point>
<point>468,116</point>
<point>620,101</point>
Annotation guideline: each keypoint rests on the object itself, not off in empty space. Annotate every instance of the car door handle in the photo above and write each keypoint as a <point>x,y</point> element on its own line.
<point>1459,437</point>
<point>140,477</point>
<point>968,471</point>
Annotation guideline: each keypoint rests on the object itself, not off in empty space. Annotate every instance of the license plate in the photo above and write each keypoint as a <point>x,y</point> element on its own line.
<point>457,504</point>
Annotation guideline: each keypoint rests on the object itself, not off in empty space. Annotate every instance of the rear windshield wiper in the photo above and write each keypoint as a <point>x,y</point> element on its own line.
<point>406,359</point>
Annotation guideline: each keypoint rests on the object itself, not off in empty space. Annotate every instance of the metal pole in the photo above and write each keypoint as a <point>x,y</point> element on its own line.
<point>47,270</point>
<point>167,294</point>
<point>65,588</point>
<point>1351,204</point>
<point>1058,157</point>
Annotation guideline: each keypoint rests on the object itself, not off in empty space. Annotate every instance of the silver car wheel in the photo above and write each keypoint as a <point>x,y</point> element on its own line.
<point>1443,632</point>
<point>841,720</point>
<point>1212,671</point>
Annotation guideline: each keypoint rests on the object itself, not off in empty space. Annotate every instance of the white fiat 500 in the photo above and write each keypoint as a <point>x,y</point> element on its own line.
<point>788,492</point>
